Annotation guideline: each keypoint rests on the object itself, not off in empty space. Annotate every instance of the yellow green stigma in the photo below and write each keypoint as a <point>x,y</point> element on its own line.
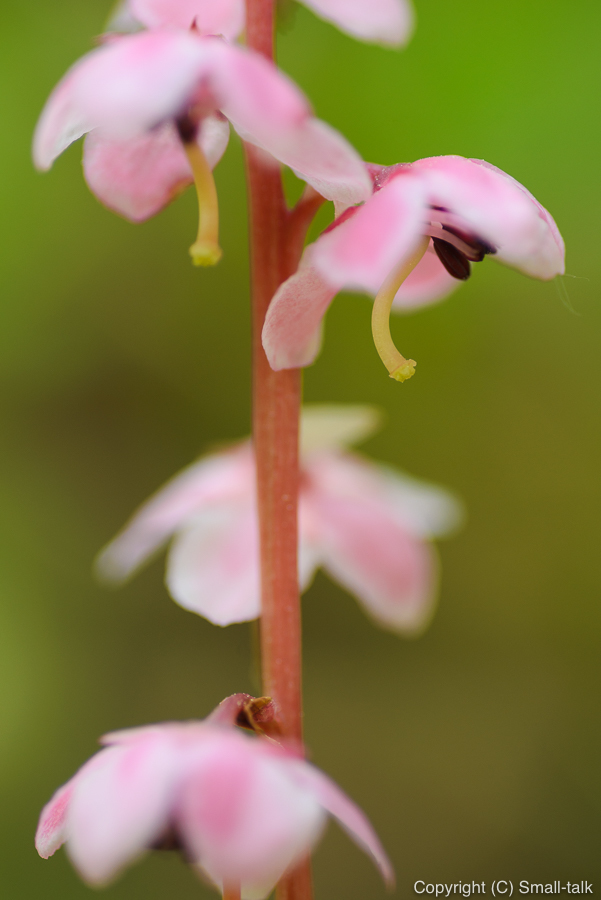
<point>205,253</point>
<point>405,371</point>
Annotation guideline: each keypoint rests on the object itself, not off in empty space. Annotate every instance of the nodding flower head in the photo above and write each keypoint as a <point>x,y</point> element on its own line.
<point>242,809</point>
<point>370,527</point>
<point>410,244</point>
<point>156,106</point>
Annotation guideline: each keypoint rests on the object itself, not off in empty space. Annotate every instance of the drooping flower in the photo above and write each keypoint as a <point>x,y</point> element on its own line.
<point>410,244</point>
<point>156,105</point>
<point>369,526</point>
<point>380,21</point>
<point>242,809</point>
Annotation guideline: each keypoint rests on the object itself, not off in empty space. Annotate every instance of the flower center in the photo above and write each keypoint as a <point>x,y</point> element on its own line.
<point>205,251</point>
<point>454,246</point>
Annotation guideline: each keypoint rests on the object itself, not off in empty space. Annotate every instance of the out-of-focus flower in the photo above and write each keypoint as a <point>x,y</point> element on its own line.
<point>411,244</point>
<point>369,526</point>
<point>243,809</point>
<point>208,17</point>
<point>156,107</point>
<point>381,21</point>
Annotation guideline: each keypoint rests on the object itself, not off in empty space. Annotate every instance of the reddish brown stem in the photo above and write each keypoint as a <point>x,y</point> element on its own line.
<point>276,405</point>
<point>275,247</point>
<point>231,892</point>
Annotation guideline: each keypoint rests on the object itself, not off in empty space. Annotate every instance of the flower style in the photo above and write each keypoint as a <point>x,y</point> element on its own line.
<point>381,21</point>
<point>410,244</point>
<point>367,525</point>
<point>155,106</point>
<point>243,809</point>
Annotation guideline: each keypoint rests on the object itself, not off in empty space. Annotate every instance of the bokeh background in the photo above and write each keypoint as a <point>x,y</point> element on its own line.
<point>475,749</point>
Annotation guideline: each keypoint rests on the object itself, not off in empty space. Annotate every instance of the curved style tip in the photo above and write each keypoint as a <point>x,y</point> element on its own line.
<point>205,253</point>
<point>405,371</point>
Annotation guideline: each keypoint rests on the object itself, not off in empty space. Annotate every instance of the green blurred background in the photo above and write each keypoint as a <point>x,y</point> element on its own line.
<point>475,749</point>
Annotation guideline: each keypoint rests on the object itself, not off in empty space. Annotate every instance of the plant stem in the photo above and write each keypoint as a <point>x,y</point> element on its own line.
<point>276,406</point>
<point>276,410</point>
<point>231,892</point>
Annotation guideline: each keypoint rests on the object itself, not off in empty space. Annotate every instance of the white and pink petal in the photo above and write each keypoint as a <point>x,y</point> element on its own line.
<point>213,564</point>
<point>360,251</point>
<point>126,87</point>
<point>346,812</point>
<point>387,22</point>
<point>292,333</point>
<point>319,155</point>
<point>52,831</point>
<point>120,806</point>
<point>329,426</point>
<point>370,527</point>
<point>245,817</point>
<point>209,17</point>
<point>219,478</point>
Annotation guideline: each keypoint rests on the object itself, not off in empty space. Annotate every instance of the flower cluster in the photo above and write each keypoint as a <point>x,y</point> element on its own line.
<point>156,101</point>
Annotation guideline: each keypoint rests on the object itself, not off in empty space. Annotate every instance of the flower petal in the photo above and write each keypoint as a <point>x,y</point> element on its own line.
<point>213,566</point>
<point>368,526</point>
<point>125,87</point>
<point>293,325</point>
<point>61,122</point>
<point>381,21</point>
<point>52,829</point>
<point>120,805</point>
<point>347,813</point>
<point>245,817</point>
<point>497,209</point>
<point>551,254</point>
<point>212,480</point>
<point>326,426</point>
<point>268,110</point>
<point>360,252</point>
<point>324,159</point>
<point>121,19</point>
<point>254,95</point>
<point>138,177</point>
<point>224,17</point>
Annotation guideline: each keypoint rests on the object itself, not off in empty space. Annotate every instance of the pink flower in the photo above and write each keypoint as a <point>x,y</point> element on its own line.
<point>411,243</point>
<point>382,21</point>
<point>367,525</point>
<point>243,809</point>
<point>156,106</point>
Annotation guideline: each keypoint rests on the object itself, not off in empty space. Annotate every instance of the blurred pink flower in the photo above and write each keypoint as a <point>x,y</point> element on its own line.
<point>156,106</point>
<point>381,21</point>
<point>369,526</point>
<point>242,808</point>
<point>467,208</point>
